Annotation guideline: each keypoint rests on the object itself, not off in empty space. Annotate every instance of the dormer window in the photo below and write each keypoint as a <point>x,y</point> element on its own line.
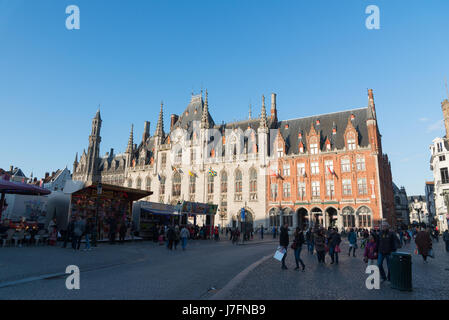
<point>280,152</point>
<point>328,146</point>
<point>313,146</point>
<point>351,141</point>
<point>439,147</point>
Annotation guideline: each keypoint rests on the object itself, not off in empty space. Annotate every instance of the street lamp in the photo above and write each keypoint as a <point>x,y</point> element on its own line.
<point>99,192</point>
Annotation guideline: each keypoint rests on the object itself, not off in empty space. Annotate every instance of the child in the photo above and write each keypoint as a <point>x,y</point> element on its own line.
<point>370,255</point>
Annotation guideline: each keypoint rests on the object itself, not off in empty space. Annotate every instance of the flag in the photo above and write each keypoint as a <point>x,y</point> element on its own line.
<point>330,170</point>
<point>174,169</point>
<point>159,177</point>
<point>191,174</point>
<point>212,173</point>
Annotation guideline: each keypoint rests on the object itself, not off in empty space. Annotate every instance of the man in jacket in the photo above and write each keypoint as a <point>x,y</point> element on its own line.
<point>352,238</point>
<point>386,245</point>
<point>334,241</point>
<point>283,242</point>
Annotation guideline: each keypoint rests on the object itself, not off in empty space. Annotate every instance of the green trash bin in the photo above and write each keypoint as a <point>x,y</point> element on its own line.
<point>401,271</point>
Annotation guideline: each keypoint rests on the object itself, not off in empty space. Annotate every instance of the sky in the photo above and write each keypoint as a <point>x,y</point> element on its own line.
<point>127,56</point>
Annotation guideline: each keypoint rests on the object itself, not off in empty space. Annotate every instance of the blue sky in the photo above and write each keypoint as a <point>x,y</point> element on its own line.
<point>128,56</point>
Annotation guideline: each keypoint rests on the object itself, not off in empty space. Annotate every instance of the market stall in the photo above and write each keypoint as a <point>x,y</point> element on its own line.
<point>103,203</point>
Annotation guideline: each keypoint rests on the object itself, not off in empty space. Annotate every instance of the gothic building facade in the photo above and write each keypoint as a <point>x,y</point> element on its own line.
<point>271,168</point>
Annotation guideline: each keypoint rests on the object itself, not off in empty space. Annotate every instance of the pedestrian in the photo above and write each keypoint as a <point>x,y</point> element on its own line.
<point>283,242</point>
<point>334,245</point>
<point>297,246</point>
<point>320,245</point>
<point>170,237</point>
<point>309,240</point>
<point>274,232</point>
<point>53,236</point>
<point>352,238</point>
<point>122,232</point>
<point>68,234</point>
<point>87,232</point>
<point>370,254</point>
<point>446,239</point>
<point>216,234</point>
<point>385,245</point>
<point>78,230</point>
<point>184,236</point>
<point>177,236</point>
<point>424,244</point>
<point>112,229</point>
<point>261,232</point>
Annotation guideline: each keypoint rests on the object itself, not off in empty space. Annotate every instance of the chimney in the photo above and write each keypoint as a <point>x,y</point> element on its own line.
<point>173,119</point>
<point>111,154</point>
<point>11,168</point>
<point>274,113</point>
<point>146,131</point>
<point>445,108</point>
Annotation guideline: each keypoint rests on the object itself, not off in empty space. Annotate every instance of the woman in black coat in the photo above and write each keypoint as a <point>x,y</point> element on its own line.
<point>297,245</point>
<point>283,242</point>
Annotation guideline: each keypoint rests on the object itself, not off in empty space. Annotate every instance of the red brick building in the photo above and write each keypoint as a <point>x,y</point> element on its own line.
<point>330,170</point>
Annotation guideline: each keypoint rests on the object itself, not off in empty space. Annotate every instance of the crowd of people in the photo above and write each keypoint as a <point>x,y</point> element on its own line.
<point>377,245</point>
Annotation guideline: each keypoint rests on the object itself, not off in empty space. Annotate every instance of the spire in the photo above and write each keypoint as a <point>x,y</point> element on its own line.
<point>160,123</point>
<point>263,116</point>
<point>76,158</point>
<point>205,116</point>
<point>250,112</point>
<point>129,149</point>
<point>371,105</point>
<point>97,115</point>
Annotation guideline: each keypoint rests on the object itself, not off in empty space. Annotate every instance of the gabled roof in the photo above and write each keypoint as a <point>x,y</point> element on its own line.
<point>193,112</point>
<point>327,121</point>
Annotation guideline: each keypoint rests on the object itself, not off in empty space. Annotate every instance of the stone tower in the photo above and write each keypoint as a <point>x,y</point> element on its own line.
<point>93,152</point>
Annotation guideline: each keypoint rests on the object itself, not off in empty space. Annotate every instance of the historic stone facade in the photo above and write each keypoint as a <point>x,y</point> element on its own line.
<point>229,164</point>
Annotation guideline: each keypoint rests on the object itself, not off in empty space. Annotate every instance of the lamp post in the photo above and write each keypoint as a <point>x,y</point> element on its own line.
<point>94,236</point>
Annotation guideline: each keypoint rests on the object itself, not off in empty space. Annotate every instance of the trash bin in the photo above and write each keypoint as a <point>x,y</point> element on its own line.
<point>401,271</point>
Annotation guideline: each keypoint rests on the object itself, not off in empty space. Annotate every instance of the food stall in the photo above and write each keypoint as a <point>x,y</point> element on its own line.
<point>101,202</point>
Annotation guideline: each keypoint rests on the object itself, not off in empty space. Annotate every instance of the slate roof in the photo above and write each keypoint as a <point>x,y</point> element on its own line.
<point>327,121</point>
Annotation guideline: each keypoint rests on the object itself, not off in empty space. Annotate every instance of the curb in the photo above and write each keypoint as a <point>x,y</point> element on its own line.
<point>237,279</point>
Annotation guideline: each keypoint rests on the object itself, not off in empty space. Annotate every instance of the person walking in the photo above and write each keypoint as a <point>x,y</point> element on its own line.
<point>68,234</point>
<point>274,232</point>
<point>386,245</point>
<point>370,254</point>
<point>352,238</point>
<point>171,236</point>
<point>309,239</point>
<point>334,245</point>
<point>184,236</point>
<point>297,246</point>
<point>446,239</point>
<point>122,232</point>
<point>283,242</point>
<point>87,232</point>
<point>423,243</point>
<point>112,229</point>
<point>78,230</point>
<point>261,232</point>
<point>177,236</point>
<point>320,245</point>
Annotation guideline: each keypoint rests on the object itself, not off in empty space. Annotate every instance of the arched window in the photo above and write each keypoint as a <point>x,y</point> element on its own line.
<point>139,183</point>
<point>224,182</point>
<point>148,183</point>
<point>176,189</point>
<point>364,214</point>
<point>162,189</point>
<point>238,186</point>
<point>253,184</point>
<point>130,183</point>
<point>210,188</point>
<point>274,218</point>
<point>192,187</point>
<point>348,217</point>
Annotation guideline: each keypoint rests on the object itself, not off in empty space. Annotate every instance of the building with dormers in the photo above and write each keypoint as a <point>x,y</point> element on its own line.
<point>327,167</point>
